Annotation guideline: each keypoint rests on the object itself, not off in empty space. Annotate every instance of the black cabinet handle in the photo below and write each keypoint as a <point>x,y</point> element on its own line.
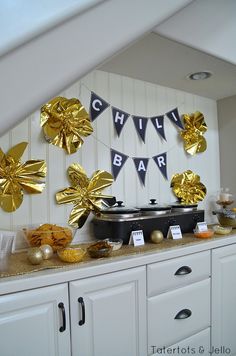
<point>81,301</point>
<point>183,270</point>
<point>183,314</point>
<point>63,327</point>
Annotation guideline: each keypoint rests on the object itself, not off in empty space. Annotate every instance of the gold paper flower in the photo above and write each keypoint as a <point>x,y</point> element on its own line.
<point>188,188</point>
<point>195,127</point>
<point>16,177</point>
<point>64,121</point>
<point>85,194</point>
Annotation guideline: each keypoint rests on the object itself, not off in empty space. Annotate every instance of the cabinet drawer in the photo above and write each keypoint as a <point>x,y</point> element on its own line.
<point>178,272</point>
<point>198,344</point>
<point>176,315</point>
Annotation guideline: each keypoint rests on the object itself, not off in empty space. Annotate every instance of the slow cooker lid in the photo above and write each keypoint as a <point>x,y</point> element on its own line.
<point>154,206</point>
<point>178,205</point>
<point>120,208</point>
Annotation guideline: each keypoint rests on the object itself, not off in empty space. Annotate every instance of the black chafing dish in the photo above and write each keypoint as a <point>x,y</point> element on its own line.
<point>118,221</point>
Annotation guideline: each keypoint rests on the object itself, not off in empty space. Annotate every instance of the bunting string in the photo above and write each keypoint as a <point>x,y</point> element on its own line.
<point>98,105</point>
<point>118,160</point>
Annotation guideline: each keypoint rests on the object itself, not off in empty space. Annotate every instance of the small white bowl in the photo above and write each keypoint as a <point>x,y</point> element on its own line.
<point>115,244</point>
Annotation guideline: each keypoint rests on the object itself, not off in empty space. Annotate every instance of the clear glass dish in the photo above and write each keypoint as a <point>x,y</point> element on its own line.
<point>57,236</point>
<point>203,234</point>
<point>115,244</point>
<point>222,230</point>
<point>71,254</point>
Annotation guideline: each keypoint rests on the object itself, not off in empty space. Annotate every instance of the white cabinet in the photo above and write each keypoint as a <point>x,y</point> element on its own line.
<point>179,304</point>
<point>35,322</point>
<point>108,314</point>
<point>224,299</point>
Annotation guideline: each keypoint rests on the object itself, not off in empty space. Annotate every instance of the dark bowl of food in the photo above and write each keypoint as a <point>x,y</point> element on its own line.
<point>99,249</point>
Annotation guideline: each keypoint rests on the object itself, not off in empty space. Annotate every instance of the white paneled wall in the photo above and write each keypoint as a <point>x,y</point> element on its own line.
<point>135,97</point>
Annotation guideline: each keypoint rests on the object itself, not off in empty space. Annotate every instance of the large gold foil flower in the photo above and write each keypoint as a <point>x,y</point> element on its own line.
<point>188,188</point>
<point>84,193</point>
<point>64,121</point>
<point>194,128</point>
<point>17,177</point>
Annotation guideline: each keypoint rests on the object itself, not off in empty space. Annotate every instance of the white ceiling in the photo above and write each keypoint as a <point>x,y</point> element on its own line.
<point>165,62</point>
<point>200,36</point>
<point>207,25</point>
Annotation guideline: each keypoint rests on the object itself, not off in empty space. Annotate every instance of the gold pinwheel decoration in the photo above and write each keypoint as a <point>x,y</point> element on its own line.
<point>64,121</point>
<point>84,193</point>
<point>17,177</point>
<point>194,128</point>
<point>188,188</point>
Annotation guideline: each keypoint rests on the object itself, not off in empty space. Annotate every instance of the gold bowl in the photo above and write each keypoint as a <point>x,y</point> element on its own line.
<point>70,254</point>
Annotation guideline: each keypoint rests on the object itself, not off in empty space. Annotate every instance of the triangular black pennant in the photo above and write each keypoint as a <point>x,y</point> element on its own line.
<point>173,115</point>
<point>117,161</point>
<point>161,162</point>
<point>97,106</point>
<point>119,118</point>
<point>140,124</point>
<point>141,168</point>
<point>158,123</point>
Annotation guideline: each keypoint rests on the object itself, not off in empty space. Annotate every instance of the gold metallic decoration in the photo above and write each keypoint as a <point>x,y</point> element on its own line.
<point>156,236</point>
<point>35,255</point>
<point>194,128</point>
<point>47,251</point>
<point>188,188</point>
<point>64,121</point>
<point>17,177</point>
<point>84,193</point>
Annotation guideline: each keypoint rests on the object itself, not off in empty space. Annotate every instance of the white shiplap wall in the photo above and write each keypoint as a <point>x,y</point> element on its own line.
<point>134,97</point>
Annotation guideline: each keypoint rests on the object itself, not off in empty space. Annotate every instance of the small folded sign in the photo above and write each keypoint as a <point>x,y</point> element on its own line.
<point>201,226</point>
<point>174,232</point>
<point>136,238</point>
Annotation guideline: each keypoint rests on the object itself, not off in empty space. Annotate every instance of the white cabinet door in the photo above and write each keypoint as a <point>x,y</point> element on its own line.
<point>224,299</point>
<point>30,323</point>
<point>108,314</point>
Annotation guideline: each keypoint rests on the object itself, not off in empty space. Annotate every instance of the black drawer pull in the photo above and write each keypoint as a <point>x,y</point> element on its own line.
<point>63,327</point>
<point>81,301</point>
<point>183,314</point>
<point>183,270</point>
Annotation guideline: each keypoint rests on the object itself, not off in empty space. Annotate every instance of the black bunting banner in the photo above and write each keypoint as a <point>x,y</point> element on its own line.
<point>119,118</point>
<point>140,124</point>
<point>173,115</point>
<point>141,168</point>
<point>158,123</point>
<point>97,106</point>
<point>117,161</point>
<point>161,162</point>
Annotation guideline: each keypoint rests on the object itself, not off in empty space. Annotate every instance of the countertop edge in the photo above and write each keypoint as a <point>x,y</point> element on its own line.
<point>98,267</point>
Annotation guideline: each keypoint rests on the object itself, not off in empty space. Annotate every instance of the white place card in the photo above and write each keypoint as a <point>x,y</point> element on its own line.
<point>201,226</point>
<point>174,232</point>
<point>136,238</point>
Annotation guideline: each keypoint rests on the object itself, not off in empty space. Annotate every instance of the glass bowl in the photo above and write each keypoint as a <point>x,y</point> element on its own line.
<point>115,244</point>
<point>99,249</point>
<point>71,254</point>
<point>222,230</point>
<point>203,234</point>
<point>56,236</point>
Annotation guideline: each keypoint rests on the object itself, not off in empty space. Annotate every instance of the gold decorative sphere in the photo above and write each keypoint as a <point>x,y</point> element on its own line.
<point>35,255</point>
<point>156,236</point>
<point>47,251</point>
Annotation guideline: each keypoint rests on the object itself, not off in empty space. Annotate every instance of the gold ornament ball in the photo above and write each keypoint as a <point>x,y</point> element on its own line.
<point>47,251</point>
<point>156,236</point>
<point>35,255</point>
